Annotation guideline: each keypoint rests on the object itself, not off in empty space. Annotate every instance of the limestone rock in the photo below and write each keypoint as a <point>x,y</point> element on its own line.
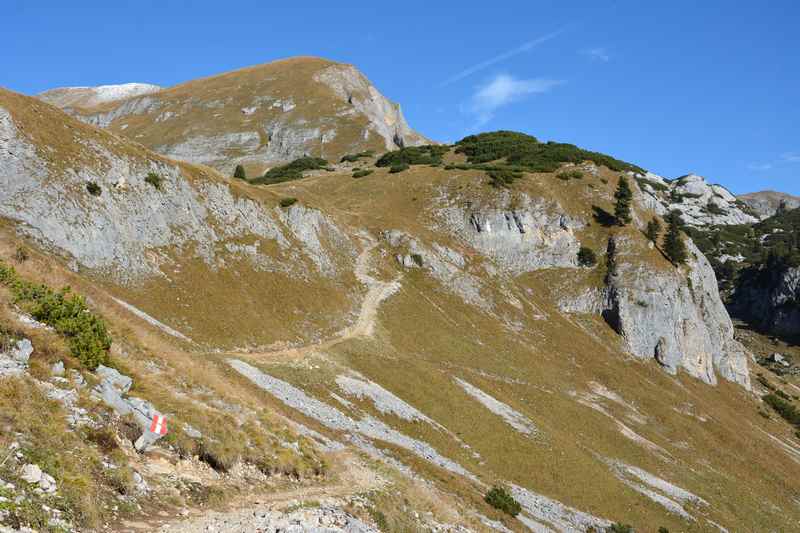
<point>31,473</point>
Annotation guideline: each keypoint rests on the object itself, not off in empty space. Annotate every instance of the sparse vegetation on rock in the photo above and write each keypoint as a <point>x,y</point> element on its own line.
<point>154,179</point>
<point>93,188</point>
<point>287,202</point>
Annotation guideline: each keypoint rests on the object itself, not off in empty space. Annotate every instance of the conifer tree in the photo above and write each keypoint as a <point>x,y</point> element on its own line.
<point>239,173</point>
<point>623,197</point>
<point>653,230</point>
<point>674,247</point>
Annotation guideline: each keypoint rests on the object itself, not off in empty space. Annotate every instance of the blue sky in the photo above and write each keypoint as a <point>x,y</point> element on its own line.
<point>707,87</point>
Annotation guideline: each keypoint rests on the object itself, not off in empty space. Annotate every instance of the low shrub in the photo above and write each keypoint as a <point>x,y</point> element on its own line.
<point>500,499</point>
<point>291,171</point>
<point>526,151</point>
<point>586,257</point>
<point>570,175</point>
<point>619,527</point>
<point>154,179</point>
<point>93,188</point>
<point>352,158</point>
<point>502,178</point>
<point>430,154</point>
<point>239,173</point>
<point>67,313</point>
<point>400,167</point>
<point>361,173</point>
<point>784,408</point>
<point>287,202</point>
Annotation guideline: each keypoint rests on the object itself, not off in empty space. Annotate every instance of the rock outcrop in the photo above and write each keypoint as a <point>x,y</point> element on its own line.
<point>676,317</point>
<point>74,97</point>
<point>699,203</point>
<point>770,300</point>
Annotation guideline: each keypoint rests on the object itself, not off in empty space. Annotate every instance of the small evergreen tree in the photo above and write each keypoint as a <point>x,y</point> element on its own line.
<point>586,257</point>
<point>239,173</point>
<point>622,206</point>
<point>653,230</point>
<point>674,247</point>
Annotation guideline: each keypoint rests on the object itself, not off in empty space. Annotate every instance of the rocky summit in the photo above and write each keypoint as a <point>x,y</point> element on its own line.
<point>260,301</point>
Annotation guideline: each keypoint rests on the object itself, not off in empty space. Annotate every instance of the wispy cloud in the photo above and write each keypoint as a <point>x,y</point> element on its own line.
<point>524,47</point>
<point>791,157</point>
<point>759,166</point>
<point>503,90</point>
<point>597,54</point>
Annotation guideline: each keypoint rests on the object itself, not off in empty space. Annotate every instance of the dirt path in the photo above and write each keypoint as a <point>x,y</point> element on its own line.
<point>364,326</point>
<point>262,510</point>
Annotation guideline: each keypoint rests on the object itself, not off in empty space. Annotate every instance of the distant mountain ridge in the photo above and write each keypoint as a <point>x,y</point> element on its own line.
<point>256,116</point>
<point>767,203</point>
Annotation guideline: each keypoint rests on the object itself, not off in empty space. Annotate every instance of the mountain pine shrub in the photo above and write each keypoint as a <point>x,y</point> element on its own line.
<point>239,173</point>
<point>67,313</point>
<point>586,257</point>
<point>500,499</point>
<point>93,188</point>
<point>399,167</point>
<point>287,202</point>
<point>291,171</point>
<point>430,154</point>
<point>360,173</point>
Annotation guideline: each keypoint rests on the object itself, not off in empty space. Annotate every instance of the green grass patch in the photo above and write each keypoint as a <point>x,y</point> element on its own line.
<point>360,173</point>
<point>154,179</point>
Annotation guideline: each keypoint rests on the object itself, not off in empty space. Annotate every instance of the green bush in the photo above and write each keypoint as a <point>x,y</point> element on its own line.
<point>503,178</point>
<point>570,175</point>
<point>352,158</point>
<point>287,202</point>
<point>239,173</point>
<point>93,188</point>
<point>526,151</point>
<point>586,257</point>
<point>291,171</point>
<point>619,527</point>
<point>400,167</point>
<point>430,154</point>
<point>154,179</point>
<point>786,409</point>
<point>361,173</point>
<point>86,333</point>
<point>500,499</point>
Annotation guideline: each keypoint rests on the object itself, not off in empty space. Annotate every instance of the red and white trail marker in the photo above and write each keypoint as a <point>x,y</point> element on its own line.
<point>159,425</point>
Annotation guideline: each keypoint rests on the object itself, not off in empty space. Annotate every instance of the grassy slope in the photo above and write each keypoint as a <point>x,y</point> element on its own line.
<point>420,348</point>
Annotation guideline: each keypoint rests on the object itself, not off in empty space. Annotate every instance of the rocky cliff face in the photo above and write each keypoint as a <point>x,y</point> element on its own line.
<point>675,317</point>
<point>770,300</point>
<point>258,116</point>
